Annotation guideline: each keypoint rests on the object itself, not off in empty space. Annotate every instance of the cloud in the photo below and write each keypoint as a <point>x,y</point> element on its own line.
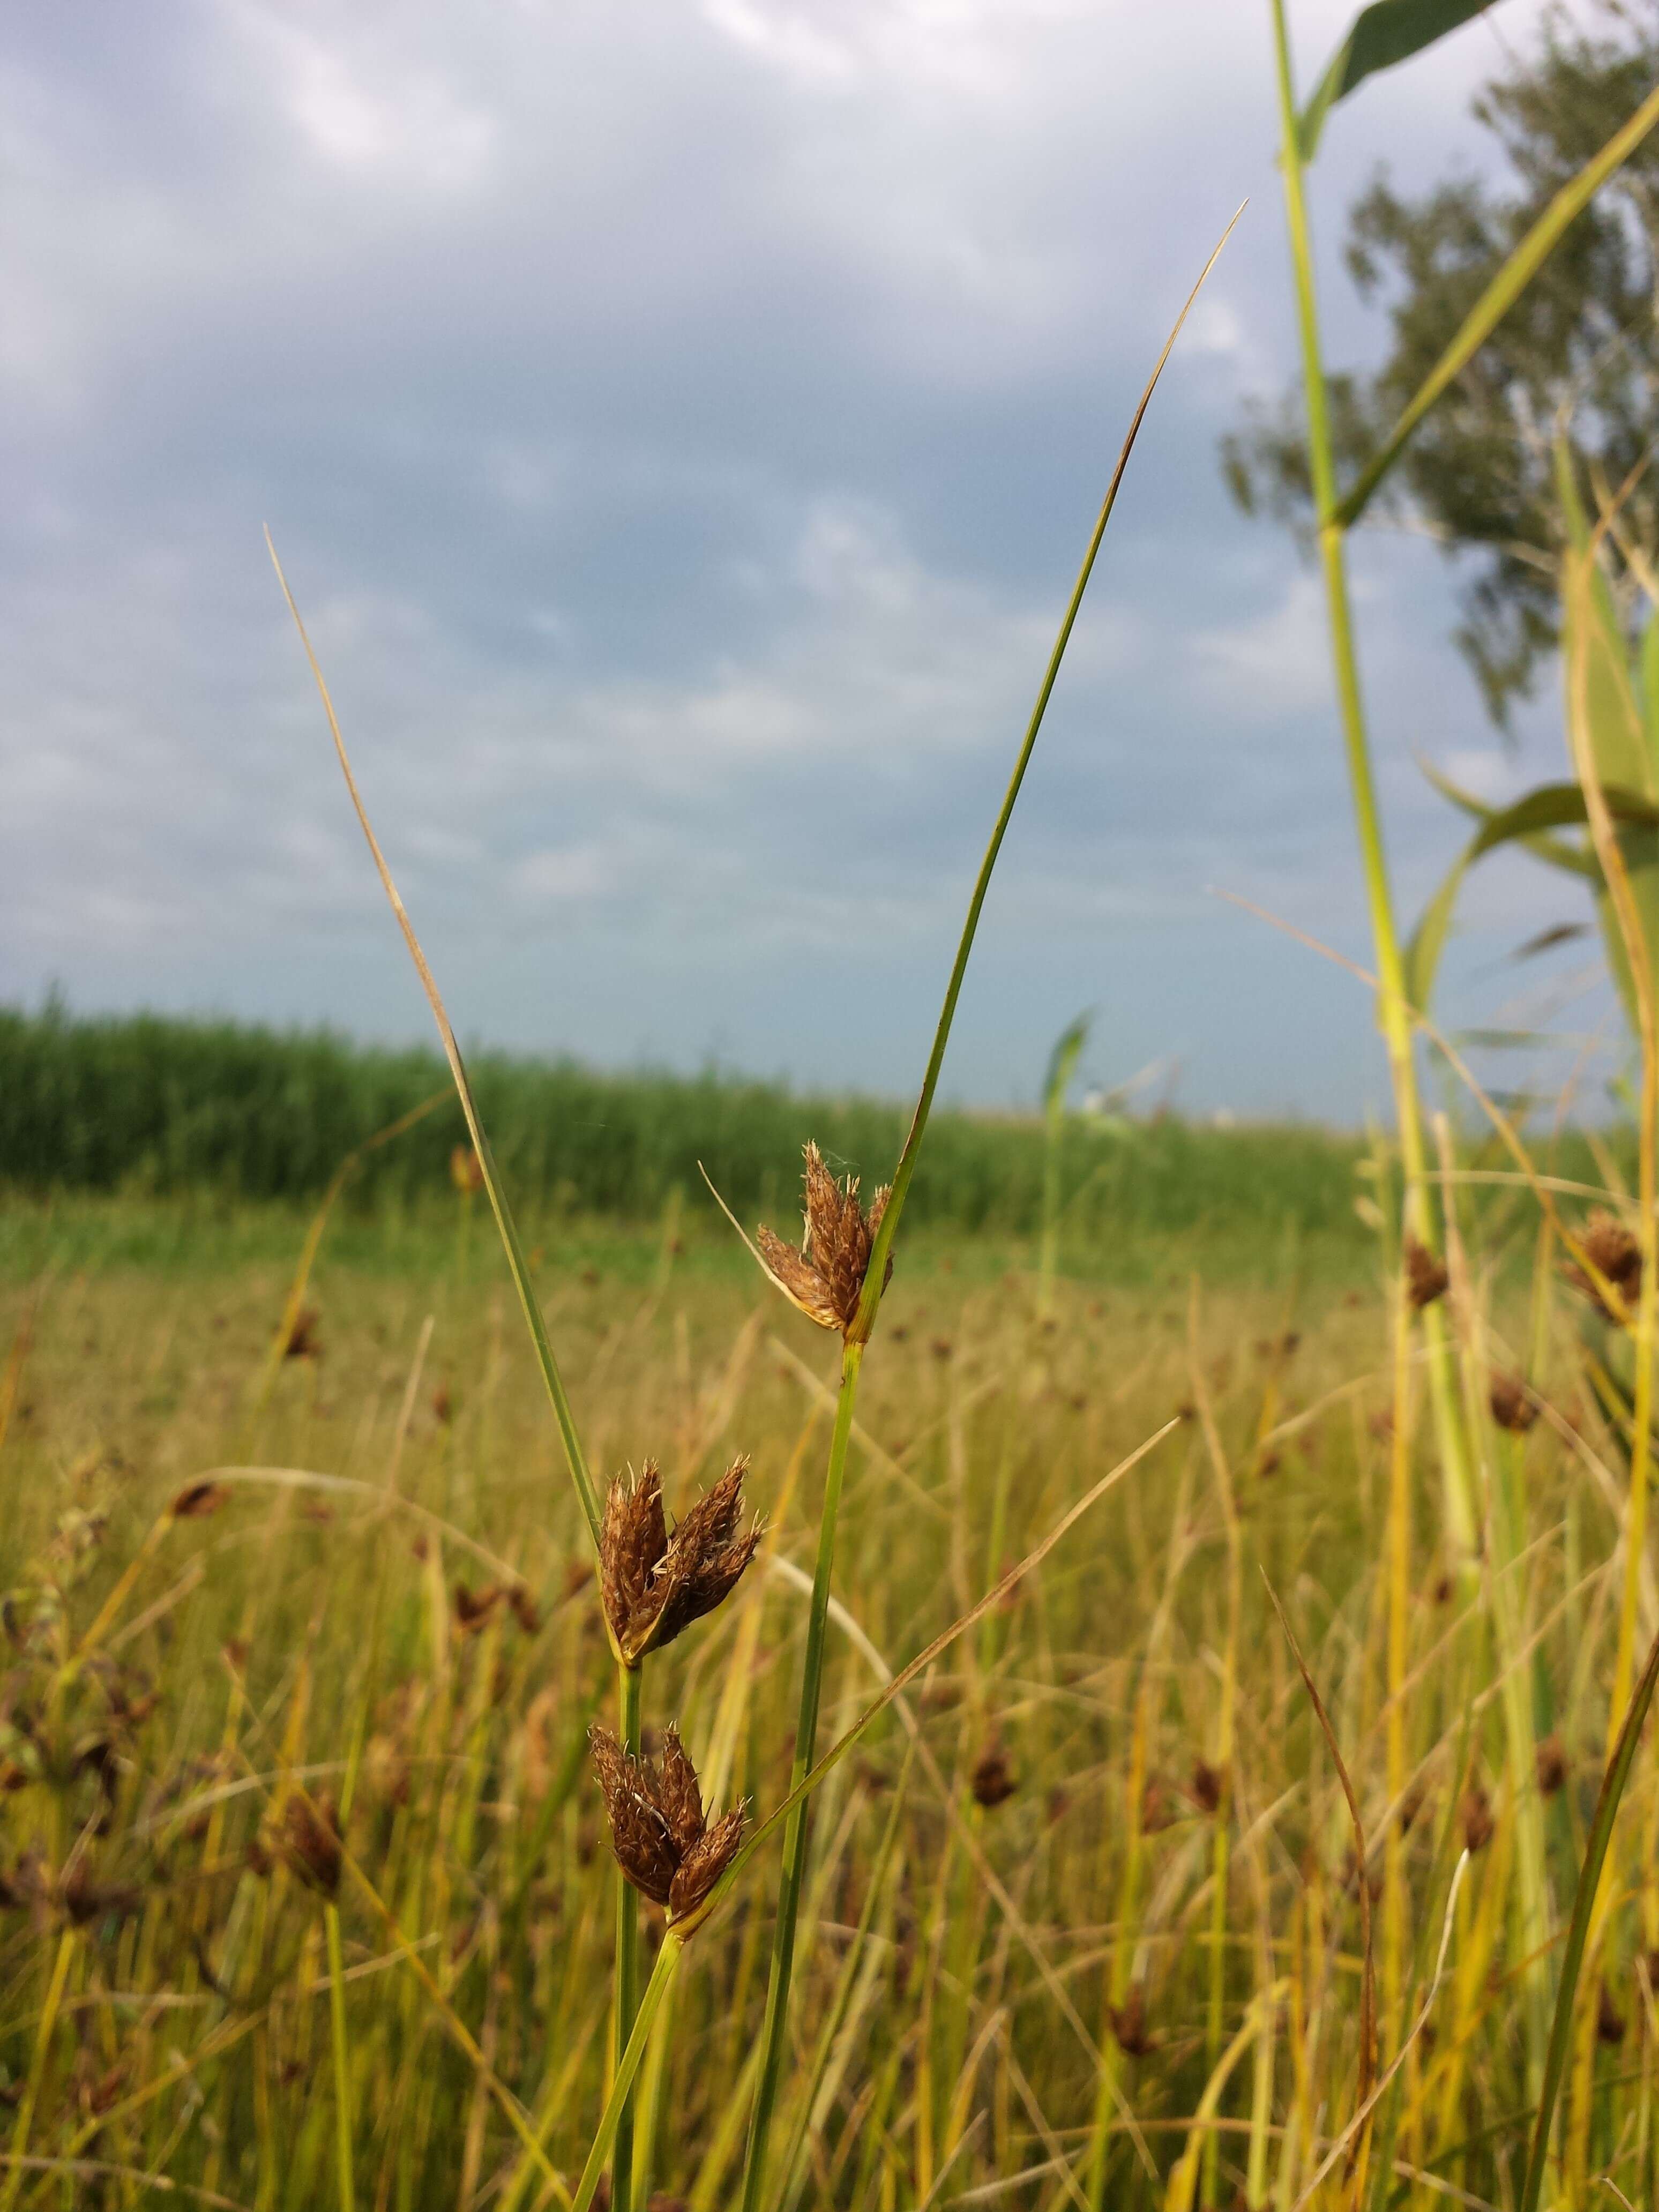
<point>681,427</point>
<point>1276,663</point>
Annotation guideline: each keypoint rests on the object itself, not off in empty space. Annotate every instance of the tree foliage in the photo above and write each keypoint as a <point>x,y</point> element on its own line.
<point>1580,349</point>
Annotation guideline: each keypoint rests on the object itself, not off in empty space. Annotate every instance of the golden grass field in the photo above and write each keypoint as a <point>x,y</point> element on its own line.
<point>1082,1921</point>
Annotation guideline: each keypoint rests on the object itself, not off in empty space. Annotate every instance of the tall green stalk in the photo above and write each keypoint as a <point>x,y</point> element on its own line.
<point>627,1959</point>
<point>343,2132</point>
<point>797,1832</point>
<point>1393,1011</point>
<point>1062,1065</point>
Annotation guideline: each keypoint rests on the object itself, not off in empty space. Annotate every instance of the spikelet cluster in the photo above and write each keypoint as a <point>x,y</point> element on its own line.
<point>825,1277</point>
<point>656,1581</point>
<point>1616,1258</point>
<point>1425,1275</point>
<point>663,1844</point>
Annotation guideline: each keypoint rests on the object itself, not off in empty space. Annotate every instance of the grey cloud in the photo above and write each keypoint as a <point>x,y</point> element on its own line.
<point>681,427</point>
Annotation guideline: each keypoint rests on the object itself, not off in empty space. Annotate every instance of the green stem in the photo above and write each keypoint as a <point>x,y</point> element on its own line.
<point>342,2058</point>
<point>858,1335</point>
<point>37,2075</point>
<point>668,1959</point>
<point>1048,1260</point>
<point>628,1966</point>
<point>796,1835</point>
<point>1393,1009</point>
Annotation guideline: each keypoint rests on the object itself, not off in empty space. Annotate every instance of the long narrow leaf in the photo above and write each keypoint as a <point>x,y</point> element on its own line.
<point>1388,32</point>
<point>1499,296</point>
<point>518,1267</point>
<point>1551,806</point>
<point>875,1277</point>
<point>1584,1905</point>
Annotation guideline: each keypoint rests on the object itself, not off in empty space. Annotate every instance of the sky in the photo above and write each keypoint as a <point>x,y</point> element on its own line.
<point>680,422</point>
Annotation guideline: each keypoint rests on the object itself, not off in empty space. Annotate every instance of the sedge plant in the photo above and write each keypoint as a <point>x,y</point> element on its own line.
<point>838,1280</point>
<point>655,1582</point>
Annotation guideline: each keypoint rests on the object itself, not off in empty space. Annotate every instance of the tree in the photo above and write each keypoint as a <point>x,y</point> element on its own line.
<point>1580,349</point>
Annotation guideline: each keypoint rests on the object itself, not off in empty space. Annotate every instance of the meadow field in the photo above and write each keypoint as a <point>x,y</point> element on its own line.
<point>1083,1922</point>
<point>531,1679</point>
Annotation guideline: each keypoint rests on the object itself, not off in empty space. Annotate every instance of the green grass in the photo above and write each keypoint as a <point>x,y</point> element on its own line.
<point>193,2039</point>
<point>222,1111</point>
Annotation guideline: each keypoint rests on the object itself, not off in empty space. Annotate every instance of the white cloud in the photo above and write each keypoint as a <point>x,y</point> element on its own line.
<point>342,83</point>
<point>1278,663</point>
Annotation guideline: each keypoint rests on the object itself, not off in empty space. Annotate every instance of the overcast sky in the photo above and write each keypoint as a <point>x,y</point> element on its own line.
<point>680,424</point>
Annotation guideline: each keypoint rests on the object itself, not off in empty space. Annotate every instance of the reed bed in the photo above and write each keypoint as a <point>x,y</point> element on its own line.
<point>217,1110</point>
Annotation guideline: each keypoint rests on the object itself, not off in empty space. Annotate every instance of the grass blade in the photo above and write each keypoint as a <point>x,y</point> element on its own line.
<point>1583,1906</point>
<point>1362,1878</point>
<point>517,1265</point>
<point>906,1168</point>
<point>1385,33</point>
<point>1499,296</point>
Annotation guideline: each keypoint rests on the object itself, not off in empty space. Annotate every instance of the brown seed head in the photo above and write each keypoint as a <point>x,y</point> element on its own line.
<point>825,1277</point>
<point>84,1898</point>
<point>1129,2024</point>
<point>1551,1761</point>
<point>1511,1407</point>
<point>1615,1255</point>
<point>474,1609</point>
<point>654,1583</point>
<point>1207,1786</point>
<point>197,1500</point>
<point>992,1779</point>
<point>308,1839</point>
<point>1425,1275</point>
<point>662,1841</point>
<point>1609,2021</point>
<point>1474,1817</point>
<point>466,1170</point>
<point>301,1341</point>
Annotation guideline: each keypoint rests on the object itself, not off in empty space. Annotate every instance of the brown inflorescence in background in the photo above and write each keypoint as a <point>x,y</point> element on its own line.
<point>1206,1785</point>
<point>1615,1255</point>
<point>1551,1766</point>
<point>1425,1275</point>
<point>467,1170</point>
<point>307,1840</point>
<point>1512,1406</point>
<point>992,1779</point>
<point>1474,1817</point>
